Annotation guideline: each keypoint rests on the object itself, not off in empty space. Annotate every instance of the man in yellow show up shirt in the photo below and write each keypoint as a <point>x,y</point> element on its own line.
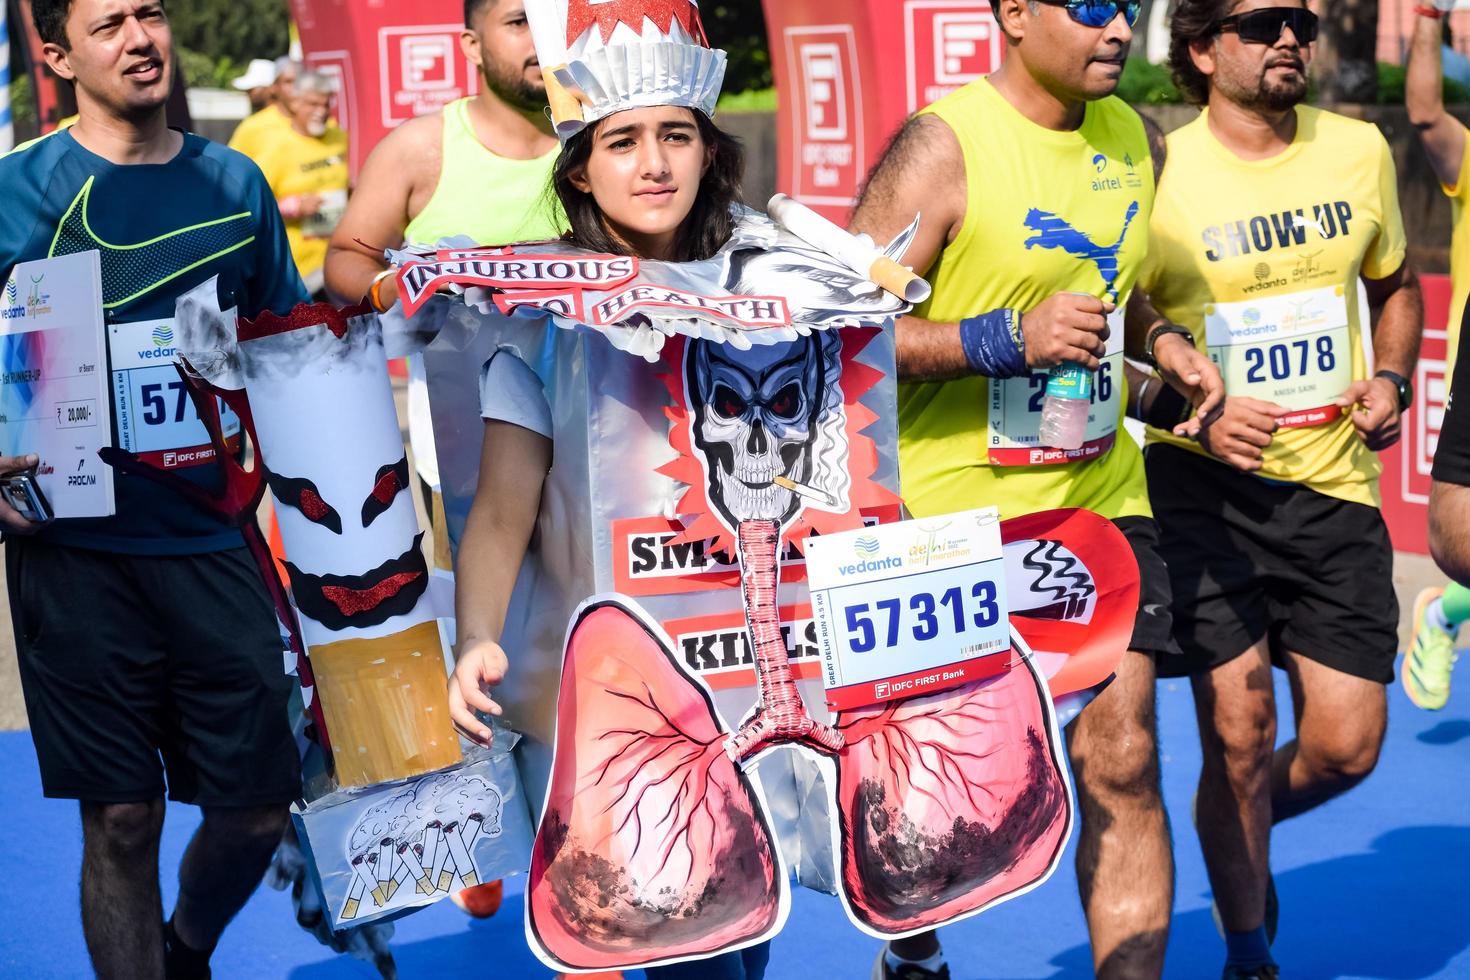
<point>1268,214</point>
<point>1035,187</point>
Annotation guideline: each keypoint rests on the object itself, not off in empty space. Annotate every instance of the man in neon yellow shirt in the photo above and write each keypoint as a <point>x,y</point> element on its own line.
<point>1438,613</point>
<point>256,131</point>
<point>480,167</point>
<point>1268,215</point>
<point>1035,188</point>
<point>306,166</point>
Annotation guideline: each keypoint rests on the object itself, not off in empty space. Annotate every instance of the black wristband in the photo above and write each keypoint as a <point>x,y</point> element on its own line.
<point>1169,408</point>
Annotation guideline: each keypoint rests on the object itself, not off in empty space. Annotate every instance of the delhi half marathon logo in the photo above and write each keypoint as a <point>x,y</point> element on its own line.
<point>163,335</point>
<point>866,546</point>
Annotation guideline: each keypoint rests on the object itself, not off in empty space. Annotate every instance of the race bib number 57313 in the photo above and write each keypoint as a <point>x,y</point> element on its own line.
<point>1294,350</point>
<point>155,415</point>
<point>909,609</point>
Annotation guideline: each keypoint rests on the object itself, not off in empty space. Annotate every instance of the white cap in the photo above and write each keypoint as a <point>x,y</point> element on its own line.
<point>258,74</point>
<point>612,55</point>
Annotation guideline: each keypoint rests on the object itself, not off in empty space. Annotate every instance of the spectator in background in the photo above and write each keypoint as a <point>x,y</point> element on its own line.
<point>1439,612</point>
<point>255,133</point>
<point>306,165</point>
<point>258,83</point>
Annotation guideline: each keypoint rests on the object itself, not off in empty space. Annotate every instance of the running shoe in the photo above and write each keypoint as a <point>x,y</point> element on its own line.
<point>481,901</point>
<point>1431,657</point>
<point>905,971</point>
<point>1268,972</point>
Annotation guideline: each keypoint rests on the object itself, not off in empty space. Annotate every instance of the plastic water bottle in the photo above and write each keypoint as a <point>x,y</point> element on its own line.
<point>1066,407</point>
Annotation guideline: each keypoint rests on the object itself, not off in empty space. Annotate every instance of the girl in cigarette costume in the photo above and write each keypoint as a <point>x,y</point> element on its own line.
<point>673,400</point>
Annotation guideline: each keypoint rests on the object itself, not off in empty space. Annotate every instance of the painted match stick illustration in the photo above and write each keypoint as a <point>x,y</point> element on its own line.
<point>461,854</point>
<point>443,876</point>
<point>408,864</point>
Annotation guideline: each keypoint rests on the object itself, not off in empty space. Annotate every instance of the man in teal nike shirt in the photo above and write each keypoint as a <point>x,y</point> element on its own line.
<point>146,643</point>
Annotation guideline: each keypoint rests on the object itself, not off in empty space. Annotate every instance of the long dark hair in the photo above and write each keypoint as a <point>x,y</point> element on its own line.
<point>1194,20</point>
<point>709,224</point>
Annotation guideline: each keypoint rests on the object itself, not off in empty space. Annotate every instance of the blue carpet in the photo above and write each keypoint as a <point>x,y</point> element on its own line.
<point>1376,884</point>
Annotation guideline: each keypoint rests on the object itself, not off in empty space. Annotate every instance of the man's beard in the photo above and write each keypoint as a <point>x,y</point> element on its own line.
<point>513,89</point>
<point>1279,96</point>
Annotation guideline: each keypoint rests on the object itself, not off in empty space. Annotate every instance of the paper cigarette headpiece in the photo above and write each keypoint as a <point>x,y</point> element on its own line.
<point>603,56</point>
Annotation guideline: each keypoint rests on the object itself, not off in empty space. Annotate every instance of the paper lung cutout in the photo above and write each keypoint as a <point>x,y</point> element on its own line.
<point>950,802</point>
<point>653,845</point>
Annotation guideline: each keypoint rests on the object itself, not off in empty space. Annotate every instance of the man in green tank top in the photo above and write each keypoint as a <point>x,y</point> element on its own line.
<point>480,167</point>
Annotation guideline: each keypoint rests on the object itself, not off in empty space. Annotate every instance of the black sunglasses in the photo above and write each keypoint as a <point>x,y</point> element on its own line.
<point>1099,13</point>
<point>1266,25</point>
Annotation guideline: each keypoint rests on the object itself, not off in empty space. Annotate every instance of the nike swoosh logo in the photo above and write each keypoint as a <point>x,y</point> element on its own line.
<point>132,271</point>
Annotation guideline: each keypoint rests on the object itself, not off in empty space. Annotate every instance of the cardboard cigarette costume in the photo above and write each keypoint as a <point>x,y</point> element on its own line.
<point>707,418</point>
<point>314,394</point>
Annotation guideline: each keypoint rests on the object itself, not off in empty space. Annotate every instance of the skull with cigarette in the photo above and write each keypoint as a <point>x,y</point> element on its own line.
<point>759,417</point>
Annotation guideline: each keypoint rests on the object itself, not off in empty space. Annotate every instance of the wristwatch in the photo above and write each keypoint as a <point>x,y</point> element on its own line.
<point>1405,387</point>
<point>1153,338</point>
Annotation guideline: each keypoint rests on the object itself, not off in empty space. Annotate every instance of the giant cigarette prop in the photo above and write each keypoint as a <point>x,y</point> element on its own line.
<point>864,258</point>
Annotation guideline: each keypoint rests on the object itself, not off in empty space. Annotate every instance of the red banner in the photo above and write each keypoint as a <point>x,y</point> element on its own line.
<point>1406,467</point>
<point>392,62</point>
<point>851,71</point>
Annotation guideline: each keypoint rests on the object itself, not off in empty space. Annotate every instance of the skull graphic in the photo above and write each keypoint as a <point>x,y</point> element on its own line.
<point>756,418</point>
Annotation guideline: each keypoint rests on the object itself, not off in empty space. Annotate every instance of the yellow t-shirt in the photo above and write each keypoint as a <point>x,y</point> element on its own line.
<point>254,134</point>
<point>1459,259</point>
<point>294,164</point>
<point>1260,259</point>
<point>1047,212</point>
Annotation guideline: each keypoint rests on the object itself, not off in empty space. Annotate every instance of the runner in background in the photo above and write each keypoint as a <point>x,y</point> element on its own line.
<point>1268,214</point>
<point>1438,613</point>
<point>306,166</point>
<point>1036,186</point>
<point>480,167</point>
<point>258,83</point>
<point>255,133</point>
<point>146,643</point>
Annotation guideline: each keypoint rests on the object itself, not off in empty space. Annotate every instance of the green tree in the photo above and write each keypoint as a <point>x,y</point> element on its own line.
<point>739,26</point>
<point>232,31</point>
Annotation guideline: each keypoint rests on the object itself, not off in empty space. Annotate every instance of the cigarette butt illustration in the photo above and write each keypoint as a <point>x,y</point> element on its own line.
<point>566,108</point>
<point>461,856</point>
<point>859,255</point>
<point>408,864</point>
<point>401,874</point>
<point>811,493</point>
<point>354,899</point>
<point>430,852</point>
<point>377,889</point>
<point>472,827</point>
<point>443,876</point>
<point>365,882</point>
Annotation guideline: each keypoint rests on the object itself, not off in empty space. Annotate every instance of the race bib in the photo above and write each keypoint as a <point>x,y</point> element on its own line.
<point>1294,350</point>
<point>155,416</point>
<point>1014,433</point>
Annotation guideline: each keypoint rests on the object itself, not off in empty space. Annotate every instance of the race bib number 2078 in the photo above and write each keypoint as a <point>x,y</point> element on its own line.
<point>1294,350</point>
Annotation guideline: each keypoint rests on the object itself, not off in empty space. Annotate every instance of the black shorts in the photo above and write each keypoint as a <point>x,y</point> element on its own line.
<point>1251,559</point>
<point>1153,627</point>
<point>133,665</point>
